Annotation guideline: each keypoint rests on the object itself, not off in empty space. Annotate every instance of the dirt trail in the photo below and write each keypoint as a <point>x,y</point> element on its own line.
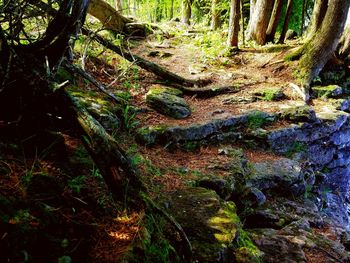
<point>250,70</point>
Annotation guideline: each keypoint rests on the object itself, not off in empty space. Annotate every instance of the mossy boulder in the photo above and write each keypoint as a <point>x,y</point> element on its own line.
<point>167,101</point>
<point>150,135</point>
<point>269,94</point>
<point>331,91</point>
<point>298,114</point>
<point>210,223</point>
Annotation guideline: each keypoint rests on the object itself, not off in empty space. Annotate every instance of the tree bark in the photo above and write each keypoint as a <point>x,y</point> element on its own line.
<point>118,6</point>
<point>344,43</point>
<point>318,13</point>
<point>275,17</point>
<point>286,22</point>
<point>235,15</point>
<point>251,18</point>
<point>215,15</point>
<point>261,20</point>
<point>186,11</point>
<point>303,10</point>
<point>108,16</point>
<point>318,50</point>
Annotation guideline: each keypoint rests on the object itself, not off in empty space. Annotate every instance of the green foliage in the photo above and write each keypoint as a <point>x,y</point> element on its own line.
<point>157,247</point>
<point>151,168</point>
<point>77,183</point>
<point>129,115</point>
<point>256,120</point>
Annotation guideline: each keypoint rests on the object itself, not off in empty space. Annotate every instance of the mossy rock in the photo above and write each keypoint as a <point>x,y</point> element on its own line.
<point>210,223</point>
<point>269,94</point>
<point>149,135</point>
<point>298,114</point>
<point>325,92</point>
<point>167,101</point>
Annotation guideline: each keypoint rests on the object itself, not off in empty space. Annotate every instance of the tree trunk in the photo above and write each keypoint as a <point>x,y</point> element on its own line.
<point>275,16</point>
<point>303,17</point>
<point>318,13</point>
<point>261,20</point>
<point>235,15</point>
<point>108,16</point>
<point>186,11</point>
<point>172,9</point>
<point>215,15</point>
<point>251,16</point>
<point>317,51</point>
<point>118,6</point>
<point>286,22</point>
<point>344,43</point>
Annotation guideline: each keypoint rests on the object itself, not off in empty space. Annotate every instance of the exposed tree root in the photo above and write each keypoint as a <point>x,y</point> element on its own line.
<point>207,92</point>
<point>77,70</point>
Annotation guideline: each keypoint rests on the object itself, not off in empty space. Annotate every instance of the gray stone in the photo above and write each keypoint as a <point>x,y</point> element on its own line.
<point>164,101</point>
<point>283,177</point>
<point>221,186</point>
<point>253,197</point>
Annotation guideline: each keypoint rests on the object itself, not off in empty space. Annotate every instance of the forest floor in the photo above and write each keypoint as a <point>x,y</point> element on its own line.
<point>109,234</point>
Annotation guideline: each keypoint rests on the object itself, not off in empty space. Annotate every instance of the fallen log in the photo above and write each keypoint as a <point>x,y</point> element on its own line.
<point>145,64</point>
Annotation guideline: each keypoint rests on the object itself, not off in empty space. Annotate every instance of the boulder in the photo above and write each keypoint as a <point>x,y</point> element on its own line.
<point>167,101</point>
<point>331,91</point>
<point>283,177</point>
<point>298,114</point>
<point>210,223</point>
<point>269,94</point>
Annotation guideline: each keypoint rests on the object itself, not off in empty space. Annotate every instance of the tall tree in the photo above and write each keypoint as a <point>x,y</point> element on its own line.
<point>315,53</point>
<point>186,11</point>
<point>215,15</point>
<point>344,43</point>
<point>286,21</point>
<point>318,13</point>
<point>250,23</point>
<point>260,20</point>
<point>118,6</point>
<point>275,16</point>
<point>233,30</point>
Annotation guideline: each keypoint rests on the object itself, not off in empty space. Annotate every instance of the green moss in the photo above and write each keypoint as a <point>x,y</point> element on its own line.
<point>157,89</point>
<point>257,120</point>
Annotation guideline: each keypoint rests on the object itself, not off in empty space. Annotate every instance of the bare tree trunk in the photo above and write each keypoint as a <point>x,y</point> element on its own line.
<point>186,11</point>
<point>215,15</point>
<point>242,24</point>
<point>261,20</point>
<point>235,14</point>
<point>172,9</point>
<point>286,22</point>
<point>317,51</point>
<point>118,6</point>
<point>344,43</point>
<point>275,17</point>
<point>109,17</point>
<point>251,17</point>
<point>303,17</point>
<point>319,11</point>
